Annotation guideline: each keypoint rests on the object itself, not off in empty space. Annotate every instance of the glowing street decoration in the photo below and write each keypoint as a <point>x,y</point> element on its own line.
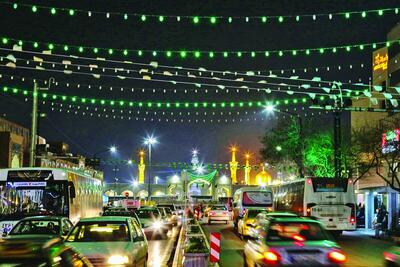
<point>194,53</point>
<point>390,141</point>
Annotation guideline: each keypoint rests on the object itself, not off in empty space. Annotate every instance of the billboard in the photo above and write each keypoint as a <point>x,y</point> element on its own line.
<point>380,61</point>
<point>390,141</point>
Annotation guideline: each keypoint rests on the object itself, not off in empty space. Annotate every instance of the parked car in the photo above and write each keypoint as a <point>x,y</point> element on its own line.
<point>52,226</point>
<point>152,222</point>
<point>39,251</point>
<point>218,213</point>
<point>110,240</point>
<point>247,222</point>
<point>121,212</point>
<point>293,241</point>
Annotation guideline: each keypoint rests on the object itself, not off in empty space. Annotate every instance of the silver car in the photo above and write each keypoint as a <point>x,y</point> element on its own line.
<point>293,242</point>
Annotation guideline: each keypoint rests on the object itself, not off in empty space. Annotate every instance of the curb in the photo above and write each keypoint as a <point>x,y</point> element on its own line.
<point>177,262</point>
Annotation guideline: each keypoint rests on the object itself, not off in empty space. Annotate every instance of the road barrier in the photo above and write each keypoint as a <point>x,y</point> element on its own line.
<point>215,247</point>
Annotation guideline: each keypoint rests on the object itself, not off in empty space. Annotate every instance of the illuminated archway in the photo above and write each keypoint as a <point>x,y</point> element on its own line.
<point>142,194</point>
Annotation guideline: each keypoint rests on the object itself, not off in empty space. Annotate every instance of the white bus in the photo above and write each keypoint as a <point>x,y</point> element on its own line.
<point>48,191</point>
<point>251,197</point>
<point>330,200</point>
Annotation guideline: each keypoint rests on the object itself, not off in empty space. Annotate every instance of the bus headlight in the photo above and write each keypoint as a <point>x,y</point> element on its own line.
<point>118,259</point>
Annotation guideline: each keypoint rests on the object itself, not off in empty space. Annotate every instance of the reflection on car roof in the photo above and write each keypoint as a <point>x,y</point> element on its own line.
<point>44,218</point>
<point>105,218</point>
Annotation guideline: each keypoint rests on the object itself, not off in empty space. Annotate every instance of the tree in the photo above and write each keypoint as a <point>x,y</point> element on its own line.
<point>319,156</point>
<point>366,144</point>
<point>283,144</point>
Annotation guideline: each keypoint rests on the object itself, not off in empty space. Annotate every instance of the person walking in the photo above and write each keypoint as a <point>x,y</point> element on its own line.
<point>380,221</point>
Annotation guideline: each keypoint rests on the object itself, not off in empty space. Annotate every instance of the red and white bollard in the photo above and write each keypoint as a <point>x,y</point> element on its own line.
<point>215,247</point>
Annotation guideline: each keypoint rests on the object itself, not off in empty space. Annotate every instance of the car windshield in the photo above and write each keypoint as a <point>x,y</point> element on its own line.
<point>218,208</point>
<point>253,213</point>
<point>99,232</point>
<point>296,231</point>
<point>36,227</point>
<point>148,214</point>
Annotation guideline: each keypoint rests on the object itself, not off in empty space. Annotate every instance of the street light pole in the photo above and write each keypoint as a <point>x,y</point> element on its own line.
<point>34,125</point>
<point>149,185</point>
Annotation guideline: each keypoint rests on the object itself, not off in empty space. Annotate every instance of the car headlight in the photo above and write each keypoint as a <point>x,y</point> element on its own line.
<point>118,259</point>
<point>157,224</point>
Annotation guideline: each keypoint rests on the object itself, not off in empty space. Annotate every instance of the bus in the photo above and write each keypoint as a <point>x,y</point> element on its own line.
<point>330,200</point>
<point>48,191</point>
<point>251,197</point>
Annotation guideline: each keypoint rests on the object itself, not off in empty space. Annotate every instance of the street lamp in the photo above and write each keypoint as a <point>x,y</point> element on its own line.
<point>150,141</point>
<point>156,178</point>
<point>175,179</point>
<point>270,109</point>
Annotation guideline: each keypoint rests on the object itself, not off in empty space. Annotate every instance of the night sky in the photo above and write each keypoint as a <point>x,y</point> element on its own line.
<point>86,134</point>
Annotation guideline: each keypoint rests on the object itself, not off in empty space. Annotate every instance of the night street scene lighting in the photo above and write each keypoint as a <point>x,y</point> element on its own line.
<point>211,133</point>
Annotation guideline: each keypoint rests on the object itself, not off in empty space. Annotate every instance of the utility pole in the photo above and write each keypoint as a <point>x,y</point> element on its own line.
<point>34,124</point>
<point>337,142</point>
<point>149,185</point>
<point>32,150</point>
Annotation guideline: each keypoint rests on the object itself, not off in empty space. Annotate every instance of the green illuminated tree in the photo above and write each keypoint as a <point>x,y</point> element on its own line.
<point>319,155</point>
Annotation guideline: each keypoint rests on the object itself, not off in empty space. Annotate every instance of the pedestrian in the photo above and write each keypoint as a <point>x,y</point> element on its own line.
<point>380,221</point>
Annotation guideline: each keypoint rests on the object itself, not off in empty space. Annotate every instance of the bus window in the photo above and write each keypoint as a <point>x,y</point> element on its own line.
<point>329,185</point>
<point>257,198</point>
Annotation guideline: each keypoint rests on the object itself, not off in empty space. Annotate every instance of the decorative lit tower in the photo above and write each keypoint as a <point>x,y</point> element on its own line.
<point>233,165</point>
<point>141,167</point>
<point>247,170</point>
<point>195,159</point>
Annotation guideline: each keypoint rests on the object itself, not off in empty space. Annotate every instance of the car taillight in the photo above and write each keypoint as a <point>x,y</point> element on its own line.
<point>212,213</point>
<point>336,257</point>
<point>271,258</point>
<point>352,217</point>
<point>309,206</point>
<point>389,256</point>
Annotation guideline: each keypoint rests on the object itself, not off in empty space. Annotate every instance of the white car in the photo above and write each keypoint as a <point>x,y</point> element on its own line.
<point>218,213</point>
<point>110,241</point>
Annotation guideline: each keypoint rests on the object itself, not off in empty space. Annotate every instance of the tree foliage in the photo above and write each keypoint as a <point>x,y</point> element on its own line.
<point>319,155</point>
<point>368,154</point>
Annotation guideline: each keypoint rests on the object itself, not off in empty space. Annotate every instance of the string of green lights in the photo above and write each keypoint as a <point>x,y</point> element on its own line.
<point>197,54</point>
<point>156,104</point>
<point>199,19</point>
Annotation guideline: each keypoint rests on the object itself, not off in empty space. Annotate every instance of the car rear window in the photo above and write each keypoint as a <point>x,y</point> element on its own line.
<point>218,208</point>
<point>148,214</point>
<point>99,232</point>
<point>296,231</point>
<point>36,227</point>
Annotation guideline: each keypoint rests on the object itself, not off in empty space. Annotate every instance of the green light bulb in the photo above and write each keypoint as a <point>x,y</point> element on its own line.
<point>241,104</point>
<point>264,19</point>
<point>347,15</point>
<point>232,104</point>
<point>334,50</point>
<point>154,53</point>
<point>205,104</point>
<point>159,105</point>
<point>125,52</point>
<point>186,105</point>
<point>95,50</point>
<point>304,100</point>
<point>225,54</point>
<point>253,54</point>
<point>294,52</point>
<point>5,40</point>
<point>211,54</point>
<point>112,102</point>
<point>161,18</point>
<point>363,14</point>
<point>83,100</point>
<point>169,54</point>
<point>361,47</point>
<point>266,53</point>
<point>80,49</point>
<point>280,19</point>
<point>35,45</point>
<point>280,53</point>
<point>348,48</point>
<point>110,51</point>
<point>239,54</point>
<point>20,43</point>
<point>230,19</point>
<point>307,52</point>
<point>51,46</point>
<point>297,18</point>
<point>93,101</point>
<point>183,54</point>
<point>196,20</point>
<point>53,11</point>
<point>197,54</point>
<point>213,20</point>
<point>15,5</point>
<point>71,12</point>
<point>286,101</point>
<point>102,102</point>
<point>380,12</point>
<point>321,50</point>
<point>143,18</point>
<point>125,16</point>
<point>140,53</point>
<point>34,9</point>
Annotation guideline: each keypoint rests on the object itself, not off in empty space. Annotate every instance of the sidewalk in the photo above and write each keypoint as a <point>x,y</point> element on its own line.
<point>366,233</point>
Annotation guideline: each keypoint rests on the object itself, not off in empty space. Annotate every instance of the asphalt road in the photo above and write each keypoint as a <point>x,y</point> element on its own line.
<point>160,250</point>
<point>362,250</point>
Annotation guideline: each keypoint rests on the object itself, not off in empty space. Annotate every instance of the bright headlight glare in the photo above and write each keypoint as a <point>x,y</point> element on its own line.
<point>157,224</point>
<point>118,260</point>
